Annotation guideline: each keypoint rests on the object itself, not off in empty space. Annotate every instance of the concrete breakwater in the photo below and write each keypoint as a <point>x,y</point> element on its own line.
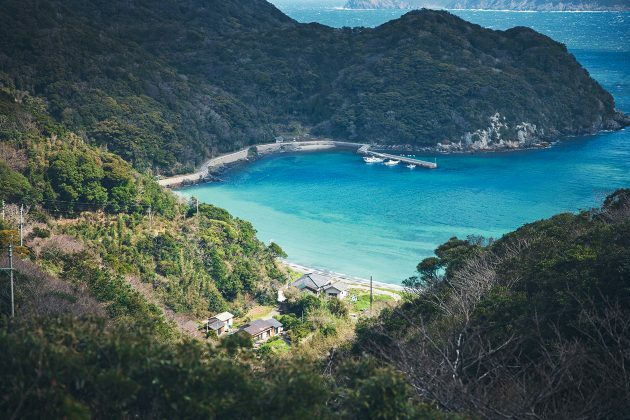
<point>218,163</point>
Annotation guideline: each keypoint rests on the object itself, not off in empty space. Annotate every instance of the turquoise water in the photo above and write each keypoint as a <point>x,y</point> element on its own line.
<point>331,211</point>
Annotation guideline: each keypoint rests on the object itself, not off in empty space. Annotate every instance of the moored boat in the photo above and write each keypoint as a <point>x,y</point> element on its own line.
<point>372,159</point>
<point>411,166</point>
<point>392,162</point>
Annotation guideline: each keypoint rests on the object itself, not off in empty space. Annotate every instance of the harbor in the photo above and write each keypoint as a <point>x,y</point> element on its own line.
<point>249,153</point>
<point>411,162</point>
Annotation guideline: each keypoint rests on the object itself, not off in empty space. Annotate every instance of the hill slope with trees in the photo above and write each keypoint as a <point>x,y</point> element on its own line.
<point>165,84</point>
<point>535,324</point>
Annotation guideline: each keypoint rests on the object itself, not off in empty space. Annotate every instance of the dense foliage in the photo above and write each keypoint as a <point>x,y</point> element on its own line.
<point>130,231</point>
<point>164,84</point>
<point>79,369</point>
<point>534,324</point>
<point>43,163</point>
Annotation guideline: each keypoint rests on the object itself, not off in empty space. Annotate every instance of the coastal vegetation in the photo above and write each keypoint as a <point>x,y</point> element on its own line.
<point>113,273</point>
<point>95,222</point>
<point>166,84</point>
<point>533,324</point>
<point>529,324</point>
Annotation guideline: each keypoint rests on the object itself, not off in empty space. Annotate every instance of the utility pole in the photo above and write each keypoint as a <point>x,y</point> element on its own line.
<point>22,225</point>
<point>10,268</point>
<point>11,274</point>
<point>371,296</point>
<point>150,218</point>
<point>197,201</point>
<point>3,210</point>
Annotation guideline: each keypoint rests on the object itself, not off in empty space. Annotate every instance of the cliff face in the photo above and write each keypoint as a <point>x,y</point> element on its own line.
<point>166,83</point>
<point>538,5</point>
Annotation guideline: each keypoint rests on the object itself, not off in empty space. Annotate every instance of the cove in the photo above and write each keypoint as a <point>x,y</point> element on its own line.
<point>332,211</point>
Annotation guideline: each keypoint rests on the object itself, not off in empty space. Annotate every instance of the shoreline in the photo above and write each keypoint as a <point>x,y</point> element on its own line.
<point>219,163</point>
<point>344,278</point>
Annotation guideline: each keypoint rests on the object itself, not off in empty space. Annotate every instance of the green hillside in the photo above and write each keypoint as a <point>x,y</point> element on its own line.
<point>97,223</point>
<point>165,84</point>
<point>534,324</point>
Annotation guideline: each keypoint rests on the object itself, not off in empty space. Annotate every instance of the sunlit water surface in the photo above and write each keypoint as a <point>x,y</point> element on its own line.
<point>331,211</point>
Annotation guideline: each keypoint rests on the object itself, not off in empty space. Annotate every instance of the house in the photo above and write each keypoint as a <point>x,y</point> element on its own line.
<point>220,323</point>
<point>312,282</point>
<point>262,329</point>
<point>337,290</point>
<point>279,139</point>
<point>318,284</point>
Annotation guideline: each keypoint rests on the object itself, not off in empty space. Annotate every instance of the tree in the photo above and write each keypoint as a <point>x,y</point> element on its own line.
<point>276,251</point>
<point>13,185</point>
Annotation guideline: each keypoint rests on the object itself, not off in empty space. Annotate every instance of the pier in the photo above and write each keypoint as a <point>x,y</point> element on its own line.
<point>417,162</point>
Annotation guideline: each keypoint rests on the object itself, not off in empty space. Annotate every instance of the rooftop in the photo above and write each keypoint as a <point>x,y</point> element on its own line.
<point>216,324</point>
<point>312,280</point>
<point>339,286</point>
<point>260,325</point>
<point>223,316</point>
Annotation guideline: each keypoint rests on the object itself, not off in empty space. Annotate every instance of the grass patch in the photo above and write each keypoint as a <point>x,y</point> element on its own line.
<point>274,346</point>
<point>259,312</point>
<point>363,300</point>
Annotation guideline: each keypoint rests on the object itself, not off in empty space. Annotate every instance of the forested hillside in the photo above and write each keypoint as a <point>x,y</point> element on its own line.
<point>110,284</point>
<point>165,84</point>
<point>534,324</point>
<point>93,221</point>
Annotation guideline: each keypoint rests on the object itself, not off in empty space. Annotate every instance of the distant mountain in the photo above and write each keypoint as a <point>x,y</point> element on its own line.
<point>165,84</point>
<point>538,5</point>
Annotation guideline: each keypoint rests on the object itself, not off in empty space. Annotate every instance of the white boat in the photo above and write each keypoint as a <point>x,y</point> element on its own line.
<point>392,162</point>
<point>372,159</point>
<point>411,166</point>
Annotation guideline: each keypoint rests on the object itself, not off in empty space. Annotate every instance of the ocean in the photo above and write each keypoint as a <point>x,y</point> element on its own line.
<point>333,212</point>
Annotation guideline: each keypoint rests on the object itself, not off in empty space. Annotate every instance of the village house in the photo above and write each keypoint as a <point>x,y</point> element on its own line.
<point>318,285</point>
<point>262,329</point>
<point>337,290</point>
<point>220,323</point>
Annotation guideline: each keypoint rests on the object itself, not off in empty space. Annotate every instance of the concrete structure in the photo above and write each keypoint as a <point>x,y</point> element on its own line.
<point>412,161</point>
<point>216,163</point>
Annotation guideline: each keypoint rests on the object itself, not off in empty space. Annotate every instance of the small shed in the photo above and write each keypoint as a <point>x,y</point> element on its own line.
<point>225,317</point>
<point>220,323</point>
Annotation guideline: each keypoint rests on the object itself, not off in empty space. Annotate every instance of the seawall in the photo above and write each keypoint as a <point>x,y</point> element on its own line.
<point>218,163</point>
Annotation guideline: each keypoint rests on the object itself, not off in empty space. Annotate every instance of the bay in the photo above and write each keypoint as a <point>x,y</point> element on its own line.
<point>331,211</point>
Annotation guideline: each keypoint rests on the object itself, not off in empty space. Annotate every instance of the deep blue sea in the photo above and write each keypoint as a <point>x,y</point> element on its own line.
<point>331,211</point>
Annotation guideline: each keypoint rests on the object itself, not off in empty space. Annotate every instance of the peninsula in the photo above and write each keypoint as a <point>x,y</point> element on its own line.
<point>167,85</point>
